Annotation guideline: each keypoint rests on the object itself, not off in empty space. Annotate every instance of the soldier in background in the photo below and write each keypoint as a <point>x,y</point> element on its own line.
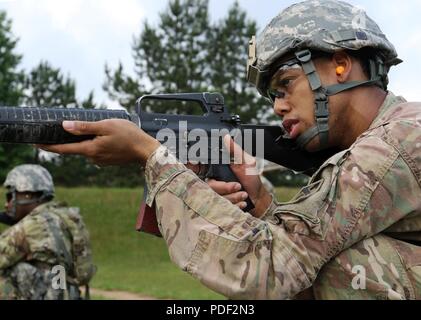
<point>43,235</point>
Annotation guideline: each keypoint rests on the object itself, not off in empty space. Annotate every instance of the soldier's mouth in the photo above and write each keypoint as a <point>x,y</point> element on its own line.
<point>292,127</point>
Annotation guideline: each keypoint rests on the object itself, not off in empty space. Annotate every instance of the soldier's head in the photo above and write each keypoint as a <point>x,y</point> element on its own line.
<point>309,60</point>
<point>27,186</point>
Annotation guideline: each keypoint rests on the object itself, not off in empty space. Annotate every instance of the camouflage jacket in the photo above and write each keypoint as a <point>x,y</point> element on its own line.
<point>372,187</point>
<point>51,235</point>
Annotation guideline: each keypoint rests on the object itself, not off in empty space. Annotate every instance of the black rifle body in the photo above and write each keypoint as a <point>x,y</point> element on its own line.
<point>44,126</point>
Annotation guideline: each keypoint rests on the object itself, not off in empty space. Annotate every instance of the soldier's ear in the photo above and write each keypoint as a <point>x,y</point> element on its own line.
<point>342,65</point>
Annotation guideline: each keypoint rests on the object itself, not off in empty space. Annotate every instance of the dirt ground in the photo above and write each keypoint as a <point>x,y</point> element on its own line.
<point>117,295</point>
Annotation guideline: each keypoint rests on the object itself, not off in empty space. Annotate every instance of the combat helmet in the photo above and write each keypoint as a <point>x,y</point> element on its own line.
<point>311,27</point>
<point>29,178</point>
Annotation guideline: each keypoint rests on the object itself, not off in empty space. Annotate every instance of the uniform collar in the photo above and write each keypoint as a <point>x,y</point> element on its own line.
<point>390,103</point>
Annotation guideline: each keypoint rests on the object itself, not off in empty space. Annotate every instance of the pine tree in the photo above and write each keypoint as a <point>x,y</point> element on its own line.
<point>123,88</point>
<point>171,58</point>
<point>185,53</point>
<point>89,102</point>
<point>11,93</point>
<point>227,60</point>
<point>10,78</point>
<point>46,86</point>
<point>176,62</point>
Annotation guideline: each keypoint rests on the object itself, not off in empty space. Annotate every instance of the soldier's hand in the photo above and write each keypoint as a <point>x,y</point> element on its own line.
<point>117,142</point>
<point>245,168</point>
<point>230,191</point>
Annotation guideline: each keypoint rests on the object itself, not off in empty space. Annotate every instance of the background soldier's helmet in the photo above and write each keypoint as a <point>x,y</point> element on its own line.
<point>318,25</point>
<point>30,178</point>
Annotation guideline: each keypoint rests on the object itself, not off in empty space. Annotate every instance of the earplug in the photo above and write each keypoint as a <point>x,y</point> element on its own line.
<point>340,70</point>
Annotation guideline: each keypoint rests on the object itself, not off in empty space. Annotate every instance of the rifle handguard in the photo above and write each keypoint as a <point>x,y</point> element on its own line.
<point>44,125</point>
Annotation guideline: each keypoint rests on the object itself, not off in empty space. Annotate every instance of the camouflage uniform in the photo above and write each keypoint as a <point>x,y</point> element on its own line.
<point>49,236</point>
<point>340,234</point>
<point>370,188</point>
<point>44,239</point>
<point>391,270</point>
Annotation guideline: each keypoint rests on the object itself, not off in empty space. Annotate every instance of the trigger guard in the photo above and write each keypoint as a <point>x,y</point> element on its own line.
<point>203,173</point>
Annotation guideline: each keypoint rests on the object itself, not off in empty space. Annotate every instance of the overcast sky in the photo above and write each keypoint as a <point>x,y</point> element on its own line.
<point>80,36</point>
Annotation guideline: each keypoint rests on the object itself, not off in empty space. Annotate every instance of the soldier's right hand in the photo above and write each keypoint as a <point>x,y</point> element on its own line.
<point>249,179</point>
<point>229,190</point>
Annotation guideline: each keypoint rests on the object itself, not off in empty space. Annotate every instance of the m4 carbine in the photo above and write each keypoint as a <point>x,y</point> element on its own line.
<point>44,126</point>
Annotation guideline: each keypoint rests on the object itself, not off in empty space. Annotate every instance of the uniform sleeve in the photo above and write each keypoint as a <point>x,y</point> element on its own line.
<point>351,197</point>
<point>13,247</point>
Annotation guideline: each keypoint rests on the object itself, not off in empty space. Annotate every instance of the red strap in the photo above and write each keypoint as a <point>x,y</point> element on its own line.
<point>146,220</point>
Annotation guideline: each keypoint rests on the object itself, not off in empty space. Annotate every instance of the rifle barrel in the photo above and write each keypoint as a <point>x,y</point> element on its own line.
<point>44,125</point>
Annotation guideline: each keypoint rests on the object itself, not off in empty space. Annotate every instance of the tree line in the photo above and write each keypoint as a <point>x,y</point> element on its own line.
<point>184,52</point>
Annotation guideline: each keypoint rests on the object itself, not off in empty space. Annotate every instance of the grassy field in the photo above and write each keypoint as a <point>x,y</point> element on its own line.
<point>128,260</point>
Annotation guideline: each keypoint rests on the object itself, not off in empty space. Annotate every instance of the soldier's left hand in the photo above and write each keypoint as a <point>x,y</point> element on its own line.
<point>117,142</point>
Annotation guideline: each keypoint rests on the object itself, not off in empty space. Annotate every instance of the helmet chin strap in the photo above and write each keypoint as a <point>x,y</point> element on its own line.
<point>12,213</point>
<point>321,96</point>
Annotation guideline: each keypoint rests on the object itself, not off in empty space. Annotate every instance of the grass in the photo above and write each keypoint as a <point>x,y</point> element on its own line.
<point>128,260</point>
<point>286,194</point>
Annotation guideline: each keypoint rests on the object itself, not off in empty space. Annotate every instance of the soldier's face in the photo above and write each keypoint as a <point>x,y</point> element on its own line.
<point>297,106</point>
<point>21,210</point>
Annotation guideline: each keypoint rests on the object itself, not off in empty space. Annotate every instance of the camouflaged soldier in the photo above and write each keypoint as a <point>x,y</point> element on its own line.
<point>297,45</point>
<point>43,235</point>
<point>348,234</point>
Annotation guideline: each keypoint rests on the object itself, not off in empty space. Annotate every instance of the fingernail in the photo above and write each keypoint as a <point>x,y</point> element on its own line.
<point>68,125</point>
<point>238,187</point>
<point>245,196</point>
<point>243,205</point>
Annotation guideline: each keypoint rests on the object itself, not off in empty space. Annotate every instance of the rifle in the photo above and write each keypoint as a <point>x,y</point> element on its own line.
<point>6,219</point>
<point>44,126</point>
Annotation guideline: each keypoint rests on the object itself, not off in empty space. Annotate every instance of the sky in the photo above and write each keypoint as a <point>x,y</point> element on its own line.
<point>81,36</point>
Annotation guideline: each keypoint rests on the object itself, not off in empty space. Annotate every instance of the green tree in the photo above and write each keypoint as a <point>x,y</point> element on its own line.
<point>11,93</point>
<point>228,54</point>
<point>46,86</point>
<point>174,55</point>
<point>171,58</point>
<point>123,88</point>
<point>11,79</point>
<point>89,102</point>
<point>186,53</point>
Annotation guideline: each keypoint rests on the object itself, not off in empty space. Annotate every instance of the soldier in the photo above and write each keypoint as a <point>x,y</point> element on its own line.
<point>45,238</point>
<point>348,234</point>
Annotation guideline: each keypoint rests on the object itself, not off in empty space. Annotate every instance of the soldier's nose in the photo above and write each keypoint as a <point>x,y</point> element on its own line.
<point>281,107</point>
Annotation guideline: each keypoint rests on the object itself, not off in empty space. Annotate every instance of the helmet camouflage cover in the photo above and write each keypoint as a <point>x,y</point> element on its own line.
<point>30,178</point>
<point>319,25</point>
